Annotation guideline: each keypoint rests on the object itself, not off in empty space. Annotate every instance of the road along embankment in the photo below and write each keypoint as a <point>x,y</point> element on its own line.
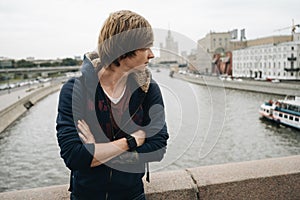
<point>11,113</point>
<point>282,88</point>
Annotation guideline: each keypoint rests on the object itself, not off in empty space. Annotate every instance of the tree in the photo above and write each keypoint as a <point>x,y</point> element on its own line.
<point>25,64</point>
<point>69,62</point>
<point>46,64</point>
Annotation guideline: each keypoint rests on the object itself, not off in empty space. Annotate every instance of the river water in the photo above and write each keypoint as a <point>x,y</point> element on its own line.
<point>207,125</point>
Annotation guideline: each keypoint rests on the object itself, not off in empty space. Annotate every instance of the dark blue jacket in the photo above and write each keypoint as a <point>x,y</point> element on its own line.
<point>82,98</point>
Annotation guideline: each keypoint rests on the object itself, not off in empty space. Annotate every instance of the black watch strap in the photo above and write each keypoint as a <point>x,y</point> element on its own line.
<point>131,142</point>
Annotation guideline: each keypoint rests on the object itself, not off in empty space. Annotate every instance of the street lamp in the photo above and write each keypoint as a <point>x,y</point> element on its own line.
<point>8,85</point>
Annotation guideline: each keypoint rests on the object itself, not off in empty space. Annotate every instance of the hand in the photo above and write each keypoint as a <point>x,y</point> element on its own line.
<point>86,135</point>
<point>139,137</point>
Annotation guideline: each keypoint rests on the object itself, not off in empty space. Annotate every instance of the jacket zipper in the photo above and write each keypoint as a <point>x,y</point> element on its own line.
<point>113,135</point>
<point>110,176</point>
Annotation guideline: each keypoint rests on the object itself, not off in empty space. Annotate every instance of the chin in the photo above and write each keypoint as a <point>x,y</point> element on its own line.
<point>141,68</point>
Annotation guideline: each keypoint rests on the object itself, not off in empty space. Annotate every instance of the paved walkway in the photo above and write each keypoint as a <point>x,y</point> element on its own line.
<point>7,99</point>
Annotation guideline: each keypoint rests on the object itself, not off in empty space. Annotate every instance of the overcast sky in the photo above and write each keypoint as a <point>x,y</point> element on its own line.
<point>68,28</point>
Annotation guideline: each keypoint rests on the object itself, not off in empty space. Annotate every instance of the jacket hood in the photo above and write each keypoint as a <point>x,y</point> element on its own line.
<point>90,67</point>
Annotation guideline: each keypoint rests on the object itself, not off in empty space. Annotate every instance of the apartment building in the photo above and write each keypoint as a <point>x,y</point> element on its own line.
<point>275,60</point>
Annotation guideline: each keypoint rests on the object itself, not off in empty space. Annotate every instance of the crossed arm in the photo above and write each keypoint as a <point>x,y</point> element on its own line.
<point>81,151</point>
<point>106,151</point>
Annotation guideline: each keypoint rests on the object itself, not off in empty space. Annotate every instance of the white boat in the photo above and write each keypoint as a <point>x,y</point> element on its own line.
<point>286,111</point>
<point>266,110</point>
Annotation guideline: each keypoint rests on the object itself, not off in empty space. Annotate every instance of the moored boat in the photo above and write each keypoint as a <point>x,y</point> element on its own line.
<point>286,111</point>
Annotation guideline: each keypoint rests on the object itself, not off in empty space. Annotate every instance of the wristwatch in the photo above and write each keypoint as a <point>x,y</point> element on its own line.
<point>131,142</point>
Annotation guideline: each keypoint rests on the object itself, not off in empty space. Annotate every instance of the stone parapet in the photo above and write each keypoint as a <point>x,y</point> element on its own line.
<point>276,178</point>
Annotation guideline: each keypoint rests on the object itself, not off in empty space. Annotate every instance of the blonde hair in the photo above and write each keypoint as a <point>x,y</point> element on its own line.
<point>123,32</point>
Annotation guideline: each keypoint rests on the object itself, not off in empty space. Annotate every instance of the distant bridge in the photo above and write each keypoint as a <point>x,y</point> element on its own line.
<point>40,69</point>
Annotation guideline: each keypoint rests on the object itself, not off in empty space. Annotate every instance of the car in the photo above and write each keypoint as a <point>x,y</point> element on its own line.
<point>238,79</point>
<point>4,86</point>
<point>275,81</point>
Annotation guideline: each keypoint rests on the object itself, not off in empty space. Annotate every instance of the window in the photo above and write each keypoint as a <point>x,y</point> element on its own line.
<point>292,48</point>
<point>296,119</point>
<point>280,114</point>
<point>285,116</point>
<point>291,118</point>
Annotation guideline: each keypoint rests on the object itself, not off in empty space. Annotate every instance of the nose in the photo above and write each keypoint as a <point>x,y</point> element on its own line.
<point>150,54</point>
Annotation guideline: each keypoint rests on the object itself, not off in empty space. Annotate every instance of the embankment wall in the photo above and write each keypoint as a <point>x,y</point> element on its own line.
<point>276,178</point>
<point>282,88</point>
<point>14,111</point>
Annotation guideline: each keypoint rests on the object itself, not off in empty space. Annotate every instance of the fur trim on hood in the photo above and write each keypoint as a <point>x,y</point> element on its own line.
<point>143,78</point>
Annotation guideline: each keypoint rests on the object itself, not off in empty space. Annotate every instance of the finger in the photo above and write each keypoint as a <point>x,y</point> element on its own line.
<point>83,124</point>
<point>86,125</point>
<point>79,122</point>
<point>81,128</point>
<point>83,137</point>
<point>80,125</point>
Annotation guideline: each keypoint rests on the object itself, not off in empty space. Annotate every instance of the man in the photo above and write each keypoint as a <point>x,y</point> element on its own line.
<point>111,120</point>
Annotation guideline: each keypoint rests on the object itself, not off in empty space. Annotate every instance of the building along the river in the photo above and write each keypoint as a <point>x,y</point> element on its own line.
<point>268,58</point>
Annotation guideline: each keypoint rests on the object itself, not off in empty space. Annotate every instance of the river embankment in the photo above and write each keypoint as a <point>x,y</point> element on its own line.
<point>281,88</point>
<point>17,103</point>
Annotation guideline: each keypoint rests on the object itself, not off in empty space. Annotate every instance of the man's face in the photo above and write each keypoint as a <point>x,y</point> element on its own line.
<point>140,60</point>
